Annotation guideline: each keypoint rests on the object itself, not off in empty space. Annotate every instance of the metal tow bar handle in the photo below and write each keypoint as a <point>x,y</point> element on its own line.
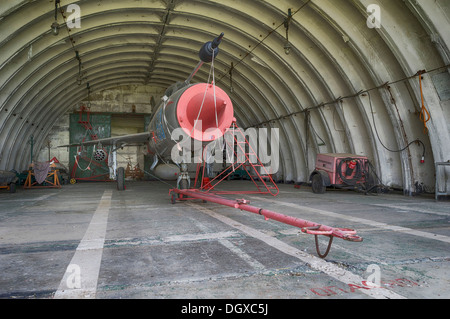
<point>343,233</point>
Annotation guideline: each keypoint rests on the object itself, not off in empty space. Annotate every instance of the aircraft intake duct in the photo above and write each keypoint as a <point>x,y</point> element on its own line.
<point>200,111</point>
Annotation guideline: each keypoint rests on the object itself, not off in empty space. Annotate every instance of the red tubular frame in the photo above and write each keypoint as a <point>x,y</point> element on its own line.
<point>256,171</point>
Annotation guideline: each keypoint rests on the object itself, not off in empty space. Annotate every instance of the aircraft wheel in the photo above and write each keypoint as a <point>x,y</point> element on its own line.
<point>183,184</point>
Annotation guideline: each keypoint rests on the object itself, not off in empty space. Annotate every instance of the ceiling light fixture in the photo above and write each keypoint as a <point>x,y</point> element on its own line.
<point>287,47</point>
<point>55,24</point>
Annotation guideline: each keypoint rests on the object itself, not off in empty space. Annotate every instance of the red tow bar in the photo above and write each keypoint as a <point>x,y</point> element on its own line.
<point>242,204</point>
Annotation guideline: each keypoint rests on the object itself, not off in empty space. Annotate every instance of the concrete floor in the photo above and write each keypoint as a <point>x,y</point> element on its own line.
<point>90,241</point>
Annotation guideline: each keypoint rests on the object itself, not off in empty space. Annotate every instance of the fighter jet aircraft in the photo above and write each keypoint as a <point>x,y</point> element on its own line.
<point>201,111</point>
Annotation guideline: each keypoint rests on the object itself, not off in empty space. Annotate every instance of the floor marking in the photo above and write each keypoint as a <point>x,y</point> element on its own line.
<point>316,263</point>
<point>414,209</point>
<point>81,276</point>
<point>256,265</point>
<point>199,237</point>
<point>42,197</point>
<point>372,223</point>
<point>175,239</point>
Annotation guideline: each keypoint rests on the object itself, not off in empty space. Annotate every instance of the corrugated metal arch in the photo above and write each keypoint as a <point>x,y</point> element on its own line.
<point>334,56</point>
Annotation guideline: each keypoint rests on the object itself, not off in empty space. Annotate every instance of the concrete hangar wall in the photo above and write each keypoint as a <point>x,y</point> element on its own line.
<point>349,83</point>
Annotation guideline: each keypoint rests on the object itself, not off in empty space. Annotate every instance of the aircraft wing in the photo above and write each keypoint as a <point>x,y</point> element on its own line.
<point>118,141</point>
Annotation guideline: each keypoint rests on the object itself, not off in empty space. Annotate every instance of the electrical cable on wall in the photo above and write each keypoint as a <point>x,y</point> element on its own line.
<point>290,15</point>
<point>424,114</point>
<point>81,75</point>
<point>341,98</point>
<point>379,139</point>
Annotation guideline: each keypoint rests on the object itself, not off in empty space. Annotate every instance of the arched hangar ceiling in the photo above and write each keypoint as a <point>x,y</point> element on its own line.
<point>350,83</point>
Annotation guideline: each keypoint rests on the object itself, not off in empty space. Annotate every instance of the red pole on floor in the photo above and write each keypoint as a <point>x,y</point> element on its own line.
<point>305,226</point>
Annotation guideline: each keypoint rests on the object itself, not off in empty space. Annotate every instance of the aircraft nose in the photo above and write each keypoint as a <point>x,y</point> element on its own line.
<point>205,112</point>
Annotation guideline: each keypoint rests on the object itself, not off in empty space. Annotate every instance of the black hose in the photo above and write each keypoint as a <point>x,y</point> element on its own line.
<point>356,177</point>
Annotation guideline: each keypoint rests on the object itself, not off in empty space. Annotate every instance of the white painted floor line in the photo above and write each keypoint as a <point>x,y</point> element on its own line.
<point>81,276</point>
<point>372,223</point>
<point>256,265</point>
<point>413,209</point>
<point>316,263</point>
<point>37,199</point>
<point>198,237</point>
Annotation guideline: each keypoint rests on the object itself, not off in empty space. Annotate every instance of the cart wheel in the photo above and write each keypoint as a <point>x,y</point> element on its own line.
<point>12,187</point>
<point>73,181</point>
<point>120,178</point>
<point>318,186</point>
<point>173,198</point>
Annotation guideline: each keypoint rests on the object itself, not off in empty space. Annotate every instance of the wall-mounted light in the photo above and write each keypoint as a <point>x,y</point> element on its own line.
<point>55,25</point>
<point>55,28</point>
<point>287,47</point>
